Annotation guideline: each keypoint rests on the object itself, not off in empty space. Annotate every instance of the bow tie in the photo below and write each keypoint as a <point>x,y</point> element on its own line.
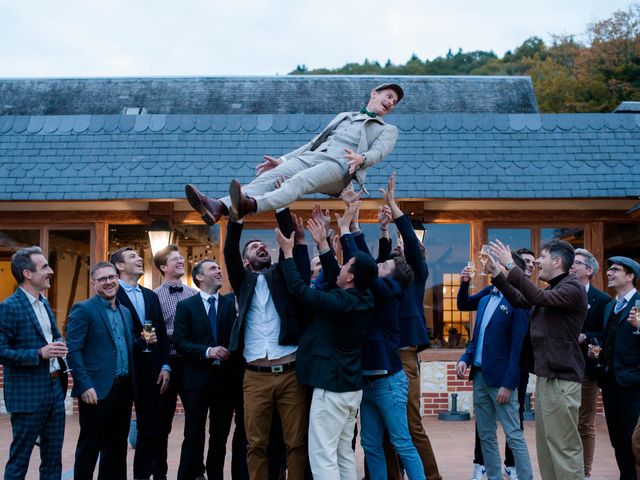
<point>367,112</point>
<point>176,289</point>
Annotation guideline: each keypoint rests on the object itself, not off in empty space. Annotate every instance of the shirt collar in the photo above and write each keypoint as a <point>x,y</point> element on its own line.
<point>128,288</point>
<point>628,296</point>
<point>107,303</point>
<point>205,296</point>
<point>32,299</point>
<point>556,280</point>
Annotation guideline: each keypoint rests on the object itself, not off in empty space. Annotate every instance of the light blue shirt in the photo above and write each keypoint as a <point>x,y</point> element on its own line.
<point>116,322</point>
<point>492,305</point>
<point>137,300</point>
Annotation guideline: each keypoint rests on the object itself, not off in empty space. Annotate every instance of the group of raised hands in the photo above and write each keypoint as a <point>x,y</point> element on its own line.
<point>319,225</point>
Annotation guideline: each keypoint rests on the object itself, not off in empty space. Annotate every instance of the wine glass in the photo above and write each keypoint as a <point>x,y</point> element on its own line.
<point>596,349</point>
<point>471,265</point>
<point>147,330</point>
<point>636,311</point>
<point>484,258</point>
<point>64,364</point>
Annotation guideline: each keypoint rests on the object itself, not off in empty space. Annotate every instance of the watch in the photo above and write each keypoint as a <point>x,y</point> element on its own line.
<point>364,161</point>
<point>509,266</point>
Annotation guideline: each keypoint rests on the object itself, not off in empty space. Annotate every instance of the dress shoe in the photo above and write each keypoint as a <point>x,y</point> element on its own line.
<point>241,205</point>
<point>210,209</point>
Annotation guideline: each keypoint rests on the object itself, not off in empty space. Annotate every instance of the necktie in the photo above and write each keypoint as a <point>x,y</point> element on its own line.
<point>367,112</point>
<point>620,304</point>
<point>212,319</point>
<point>176,289</point>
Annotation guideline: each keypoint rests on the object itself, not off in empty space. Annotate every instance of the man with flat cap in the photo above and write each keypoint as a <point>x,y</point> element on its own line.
<point>342,152</point>
<point>620,376</point>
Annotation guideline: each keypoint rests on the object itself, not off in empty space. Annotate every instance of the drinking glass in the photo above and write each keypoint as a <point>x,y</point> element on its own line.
<point>484,258</point>
<point>64,363</point>
<point>636,310</point>
<point>596,349</point>
<point>472,268</point>
<point>147,330</point>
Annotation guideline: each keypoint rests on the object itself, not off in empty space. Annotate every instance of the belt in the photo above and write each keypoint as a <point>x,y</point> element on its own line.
<point>372,378</point>
<point>119,380</point>
<point>272,368</point>
<point>55,374</point>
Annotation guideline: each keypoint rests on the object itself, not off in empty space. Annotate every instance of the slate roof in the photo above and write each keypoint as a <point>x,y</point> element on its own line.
<point>262,95</point>
<point>437,155</point>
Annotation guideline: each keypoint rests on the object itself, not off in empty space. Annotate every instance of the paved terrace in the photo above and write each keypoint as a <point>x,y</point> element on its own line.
<point>452,442</point>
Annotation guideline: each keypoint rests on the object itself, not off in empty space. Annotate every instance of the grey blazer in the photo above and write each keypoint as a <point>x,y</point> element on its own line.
<point>376,142</point>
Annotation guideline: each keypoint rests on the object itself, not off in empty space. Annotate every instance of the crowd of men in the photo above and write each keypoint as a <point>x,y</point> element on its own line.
<point>300,348</point>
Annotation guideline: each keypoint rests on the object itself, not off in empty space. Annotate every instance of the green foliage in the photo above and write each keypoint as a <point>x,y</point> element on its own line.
<point>568,76</point>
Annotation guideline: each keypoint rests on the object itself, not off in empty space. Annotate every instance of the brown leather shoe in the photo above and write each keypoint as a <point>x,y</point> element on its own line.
<point>210,209</point>
<point>241,205</point>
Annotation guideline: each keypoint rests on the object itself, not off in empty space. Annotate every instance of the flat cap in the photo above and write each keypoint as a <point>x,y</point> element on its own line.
<point>626,262</point>
<point>393,86</point>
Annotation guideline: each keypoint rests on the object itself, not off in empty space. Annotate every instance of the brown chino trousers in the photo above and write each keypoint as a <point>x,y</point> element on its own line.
<point>587,421</point>
<point>418,435</point>
<point>262,393</point>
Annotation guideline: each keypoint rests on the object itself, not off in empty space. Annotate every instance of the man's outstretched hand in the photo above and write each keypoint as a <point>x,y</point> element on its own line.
<point>286,244</point>
<point>269,164</point>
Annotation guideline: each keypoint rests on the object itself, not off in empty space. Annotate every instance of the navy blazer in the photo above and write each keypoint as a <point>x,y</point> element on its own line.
<point>380,349</point>
<point>243,281</point>
<point>92,347</point>
<point>502,341</point>
<point>192,337</point>
<point>330,352</point>
<point>26,375</point>
<point>593,325</point>
<point>148,364</point>
<point>413,326</point>
<point>626,361</point>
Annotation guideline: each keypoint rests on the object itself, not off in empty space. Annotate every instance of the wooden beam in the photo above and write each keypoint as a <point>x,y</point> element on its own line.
<point>594,242</point>
<point>101,242</point>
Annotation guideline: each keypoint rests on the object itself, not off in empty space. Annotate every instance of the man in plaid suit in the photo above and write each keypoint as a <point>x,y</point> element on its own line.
<point>34,385</point>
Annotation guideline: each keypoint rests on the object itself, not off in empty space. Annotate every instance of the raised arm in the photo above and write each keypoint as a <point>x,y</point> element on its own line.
<point>232,256</point>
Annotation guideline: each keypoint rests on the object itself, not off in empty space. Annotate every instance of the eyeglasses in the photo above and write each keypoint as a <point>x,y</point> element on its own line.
<point>578,262</point>
<point>103,280</point>
<point>615,269</point>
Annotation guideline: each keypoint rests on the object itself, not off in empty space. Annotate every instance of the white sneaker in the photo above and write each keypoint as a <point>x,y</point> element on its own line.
<point>509,472</point>
<point>479,472</point>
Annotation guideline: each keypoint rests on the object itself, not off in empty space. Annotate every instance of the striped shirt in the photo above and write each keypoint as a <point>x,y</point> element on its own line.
<point>168,303</point>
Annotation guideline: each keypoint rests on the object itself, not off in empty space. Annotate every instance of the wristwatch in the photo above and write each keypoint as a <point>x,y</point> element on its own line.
<point>509,266</point>
<point>364,161</point>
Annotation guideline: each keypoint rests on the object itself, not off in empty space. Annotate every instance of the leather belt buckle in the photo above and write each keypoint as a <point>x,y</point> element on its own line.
<point>277,369</point>
<point>55,374</point>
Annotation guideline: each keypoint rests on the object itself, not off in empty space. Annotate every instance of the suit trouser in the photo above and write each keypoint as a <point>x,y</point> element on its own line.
<point>262,393</point>
<point>509,461</point>
<point>47,422</point>
<point>557,439</point>
<point>418,435</point>
<point>198,403</point>
<point>622,410</point>
<point>147,403</point>
<point>103,431</point>
<point>332,421</point>
<point>311,172</point>
<point>488,413</point>
<point>587,421</point>
<point>635,446</point>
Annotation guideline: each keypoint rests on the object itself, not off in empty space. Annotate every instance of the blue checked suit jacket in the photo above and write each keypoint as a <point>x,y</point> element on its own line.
<point>26,375</point>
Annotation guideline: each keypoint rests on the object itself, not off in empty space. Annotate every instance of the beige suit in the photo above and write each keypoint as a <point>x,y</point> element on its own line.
<point>319,165</point>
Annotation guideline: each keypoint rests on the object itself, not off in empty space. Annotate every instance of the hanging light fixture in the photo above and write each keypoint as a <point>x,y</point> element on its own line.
<point>419,229</point>
<point>159,235</point>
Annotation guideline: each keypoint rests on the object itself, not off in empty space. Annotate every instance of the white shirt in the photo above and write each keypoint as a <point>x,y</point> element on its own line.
<point>45,324</point>
<point>207,306</point>
<point>262,327</point>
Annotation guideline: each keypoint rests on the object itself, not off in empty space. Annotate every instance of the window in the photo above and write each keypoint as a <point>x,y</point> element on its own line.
<point>10,242</point>
<point>514,237</point>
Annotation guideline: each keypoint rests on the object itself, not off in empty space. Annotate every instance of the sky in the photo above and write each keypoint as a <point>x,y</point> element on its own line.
<point>80,38</point>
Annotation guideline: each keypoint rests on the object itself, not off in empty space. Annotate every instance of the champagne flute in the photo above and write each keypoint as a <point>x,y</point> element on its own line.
<point>64,363</point>
<point>596,349</point>
<point>484,258</point>
<point>147,330</point>
<point>636,311</point>
<point>471,265</point>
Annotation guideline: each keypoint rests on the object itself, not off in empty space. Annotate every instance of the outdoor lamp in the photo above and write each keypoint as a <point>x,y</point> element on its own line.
<point>159,235</point>
<point>419,229</point>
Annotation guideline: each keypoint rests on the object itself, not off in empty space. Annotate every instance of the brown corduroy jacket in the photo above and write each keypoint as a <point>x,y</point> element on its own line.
<point>555,321</point>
